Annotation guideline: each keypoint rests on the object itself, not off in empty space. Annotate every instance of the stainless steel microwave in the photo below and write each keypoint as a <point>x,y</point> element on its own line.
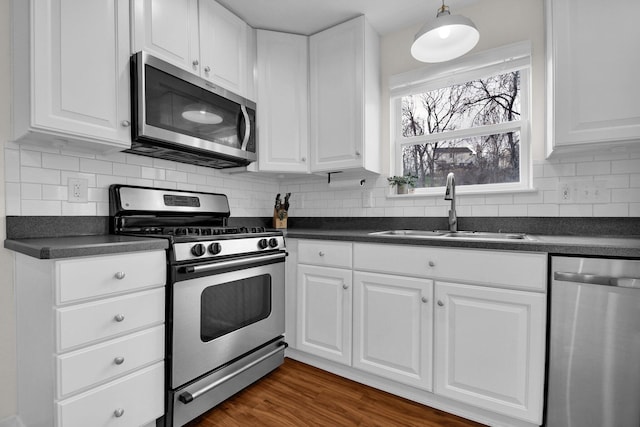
<point>179,116</point>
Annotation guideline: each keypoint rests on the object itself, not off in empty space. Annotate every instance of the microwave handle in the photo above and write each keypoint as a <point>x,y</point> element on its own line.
<point>247,128</point>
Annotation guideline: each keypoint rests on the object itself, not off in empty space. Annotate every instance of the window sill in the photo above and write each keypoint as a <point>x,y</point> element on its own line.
<point>460,191</point>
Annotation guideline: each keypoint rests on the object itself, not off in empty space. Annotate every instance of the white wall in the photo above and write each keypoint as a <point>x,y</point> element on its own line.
<point>500,22</point>
<point>7,315</point>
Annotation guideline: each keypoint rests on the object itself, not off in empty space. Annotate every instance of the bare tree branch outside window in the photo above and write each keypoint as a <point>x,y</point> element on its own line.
<point>482,157</point>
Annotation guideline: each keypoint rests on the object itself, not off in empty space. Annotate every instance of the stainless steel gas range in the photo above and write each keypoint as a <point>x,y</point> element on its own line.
<point>225,294</point>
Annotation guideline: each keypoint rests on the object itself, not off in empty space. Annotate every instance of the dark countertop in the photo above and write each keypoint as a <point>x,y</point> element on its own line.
<point>604,246</point>
<point>75,246</point>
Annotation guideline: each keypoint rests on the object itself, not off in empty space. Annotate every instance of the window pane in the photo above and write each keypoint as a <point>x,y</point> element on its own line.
<point>486,159</point>
<point>480,102</point>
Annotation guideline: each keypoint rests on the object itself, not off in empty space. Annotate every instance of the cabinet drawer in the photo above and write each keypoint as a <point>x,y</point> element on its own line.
<point>517,270</point>
<point>136,398</point>
<point>93,321</point>
<point>83,278</point>
<point>101,362</point>
<point>324,253</point>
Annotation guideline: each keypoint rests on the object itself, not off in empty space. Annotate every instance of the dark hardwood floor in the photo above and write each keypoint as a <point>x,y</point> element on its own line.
<point>297,394</point>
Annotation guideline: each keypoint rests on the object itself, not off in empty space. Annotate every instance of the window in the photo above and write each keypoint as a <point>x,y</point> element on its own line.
<point>469,117</point>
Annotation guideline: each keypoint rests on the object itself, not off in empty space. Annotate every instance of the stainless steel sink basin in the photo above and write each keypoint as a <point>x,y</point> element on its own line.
<point>485,235</point>
<point>444,234</point>
<point>410,233</point>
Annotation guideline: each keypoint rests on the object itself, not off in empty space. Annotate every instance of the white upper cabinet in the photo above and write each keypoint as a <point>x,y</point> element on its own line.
<point>593,63</point>
<point>199,36</point>
<point>345,97</point>
<point>71,73</point>
<point>283,102</point>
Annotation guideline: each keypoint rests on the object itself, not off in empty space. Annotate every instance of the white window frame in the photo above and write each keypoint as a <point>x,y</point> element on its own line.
<point>495,61</point>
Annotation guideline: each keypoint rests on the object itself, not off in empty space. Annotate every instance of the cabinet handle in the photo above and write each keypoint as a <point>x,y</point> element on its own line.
<point>126,123</point>
<point>195,63</point>
<point>207,69</point>
<point>432,264</point>
<point>440,303</point>
<point>321,253</point>
<point>118,360</point>
<point>345,286</point>
<point>120,275</point>
<point>118,412</point>
<point>304,159</point>
<point>119,317</point>
<point>357,153</point>
<point>425,299</point>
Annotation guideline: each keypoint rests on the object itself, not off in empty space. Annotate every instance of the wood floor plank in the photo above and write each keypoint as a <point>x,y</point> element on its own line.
<point>297,395</point>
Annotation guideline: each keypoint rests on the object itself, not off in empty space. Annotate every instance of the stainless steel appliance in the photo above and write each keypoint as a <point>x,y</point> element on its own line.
<point>594,345</point>
<point>225,294</point>
<point>179,116</point>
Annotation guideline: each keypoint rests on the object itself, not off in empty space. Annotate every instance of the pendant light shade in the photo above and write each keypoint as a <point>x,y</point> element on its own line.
<point>444,38</point>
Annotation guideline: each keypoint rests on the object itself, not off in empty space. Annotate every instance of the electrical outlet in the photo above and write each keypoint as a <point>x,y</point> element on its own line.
<point>78,190</point>
<point>565,192</point>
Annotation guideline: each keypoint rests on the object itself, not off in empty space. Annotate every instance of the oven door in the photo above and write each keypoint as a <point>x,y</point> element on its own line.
<point>225,311</point>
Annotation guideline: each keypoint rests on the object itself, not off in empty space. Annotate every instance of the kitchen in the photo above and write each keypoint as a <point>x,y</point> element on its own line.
<point>34,179</point>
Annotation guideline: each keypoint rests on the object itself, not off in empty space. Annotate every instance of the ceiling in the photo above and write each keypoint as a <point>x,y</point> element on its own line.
<point>310,16</point>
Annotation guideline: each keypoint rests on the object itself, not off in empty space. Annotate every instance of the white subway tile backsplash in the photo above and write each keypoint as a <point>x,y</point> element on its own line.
<point>40,207</point>
<point>36,184</point>
<point>39,175</point>
<point>31,191</point>
<point>29,158</point>
<point>123,169</point>
<point>96,166</point>
<point>56,161</point>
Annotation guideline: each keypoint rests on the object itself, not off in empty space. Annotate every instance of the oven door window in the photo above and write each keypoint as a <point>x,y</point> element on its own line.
<point>233,305</point>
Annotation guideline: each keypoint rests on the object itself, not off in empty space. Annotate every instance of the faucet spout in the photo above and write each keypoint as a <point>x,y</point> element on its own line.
<point>450,194</point>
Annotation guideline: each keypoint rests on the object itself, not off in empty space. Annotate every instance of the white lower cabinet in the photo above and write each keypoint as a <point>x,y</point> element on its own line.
<point>91,355</point>
<point>461,330</point>
<point>392,327</point>
<point>489,348</point>
<point>324,312</point>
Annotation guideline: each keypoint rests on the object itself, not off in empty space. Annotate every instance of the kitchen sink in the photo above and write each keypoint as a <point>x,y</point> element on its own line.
<point>410,233</point>
<point>444,234</point>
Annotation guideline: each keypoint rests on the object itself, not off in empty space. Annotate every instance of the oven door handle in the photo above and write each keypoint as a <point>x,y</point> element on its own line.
<point>232,263</point>
<point>187,397</point>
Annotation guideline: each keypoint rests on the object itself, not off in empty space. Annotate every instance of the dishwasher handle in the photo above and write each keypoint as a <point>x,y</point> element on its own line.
<point>594,279</point>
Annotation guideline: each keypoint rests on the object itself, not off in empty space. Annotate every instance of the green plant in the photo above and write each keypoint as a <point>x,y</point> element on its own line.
<point>406,179</point>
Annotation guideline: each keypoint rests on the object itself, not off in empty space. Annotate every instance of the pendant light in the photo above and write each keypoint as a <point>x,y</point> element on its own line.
<point>444,38</point>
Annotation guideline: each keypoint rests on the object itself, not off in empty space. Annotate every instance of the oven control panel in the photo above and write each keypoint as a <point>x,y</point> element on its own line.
<point>207,249</point>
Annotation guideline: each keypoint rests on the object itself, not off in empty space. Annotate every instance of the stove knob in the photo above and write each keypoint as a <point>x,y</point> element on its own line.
<point>198,250</point>
<point>215,248</point>
<point>262,243</point>
<point>273,242</point>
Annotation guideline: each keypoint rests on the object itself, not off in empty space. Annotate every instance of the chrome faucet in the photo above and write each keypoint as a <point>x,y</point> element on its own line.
<point>450,194</point>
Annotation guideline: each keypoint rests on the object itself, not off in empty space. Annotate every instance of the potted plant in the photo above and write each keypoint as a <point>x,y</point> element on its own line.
<point>402,183</point>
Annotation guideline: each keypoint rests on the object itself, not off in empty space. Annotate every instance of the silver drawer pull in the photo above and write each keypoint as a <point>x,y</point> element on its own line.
<point>118,412</point>
<point>119,317</point>
<point>321,253</point>
<point>120,275</point>
<point>440,303</point>
<point>118,360</point>
<point>432,264</point>
<point>425,299</point>
<point>345,286</point>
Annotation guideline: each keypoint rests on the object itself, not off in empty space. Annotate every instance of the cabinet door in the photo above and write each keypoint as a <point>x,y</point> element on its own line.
<point>392,327</point>
<point>283,102</point>
<point>337,96</point>
<point>324,312</point>
<point>223,47</point>
<point>168,29</point>
<point>594,85</point>
<point>490,347</point>
<point>80,69</point>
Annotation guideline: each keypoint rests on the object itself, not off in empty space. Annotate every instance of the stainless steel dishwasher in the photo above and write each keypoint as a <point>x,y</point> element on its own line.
<point>594,343</point>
